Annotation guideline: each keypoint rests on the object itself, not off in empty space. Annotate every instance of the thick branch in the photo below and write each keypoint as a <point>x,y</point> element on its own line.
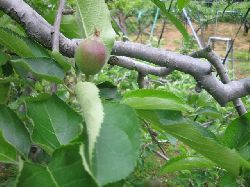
<point>40,30</point>
<point>162,58</point>
<point>214,59</point>
<point>200,70</point>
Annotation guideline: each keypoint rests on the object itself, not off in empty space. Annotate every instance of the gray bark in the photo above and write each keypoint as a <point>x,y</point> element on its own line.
<point>145,69</point>
<point>214,59</point>
<point>56,27</point>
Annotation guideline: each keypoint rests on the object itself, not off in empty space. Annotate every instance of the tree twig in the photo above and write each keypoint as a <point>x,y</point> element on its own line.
<point>162,31</point>
<point>142,68</point>
<point>228,5</point>
<point>119,26</point>
<point>232,43</point>
<point>55,36</point>
<point>153,137</point>
<point>141,80</point>
<point>159,154</point>
<point>56,27</point>
<point>164,25</point>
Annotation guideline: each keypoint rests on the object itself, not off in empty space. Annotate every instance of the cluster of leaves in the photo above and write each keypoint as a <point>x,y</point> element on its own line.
<point>206,117</point>
<point>130,7</point>
<point>202,14</point>
<point>139,15</point>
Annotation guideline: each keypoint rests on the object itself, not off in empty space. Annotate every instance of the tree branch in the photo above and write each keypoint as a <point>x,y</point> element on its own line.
<point>153,137</point>
<point>142,68</point>
<point>55,36</point>
<point>36,26</point>
<point>200,70</point>
<point>40,30</point>
<point>141,81</point>
<point>56,28</point>
<point>214,59</point>
<point>68,11</point>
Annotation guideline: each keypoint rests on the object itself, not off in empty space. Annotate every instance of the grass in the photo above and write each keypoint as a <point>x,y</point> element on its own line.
<point>242,69</point>
<point>242,56</point>
<point>242,64</point>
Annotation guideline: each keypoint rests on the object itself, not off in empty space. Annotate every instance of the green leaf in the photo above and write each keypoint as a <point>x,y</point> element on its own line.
<point>154,99</point>
<point>171,118</point>
<point>35,175</point>
<point>87,95</point>
<point>4,92</point>
<point>94,15</point>
<point>108,90</point>
<point>43,68</point>
<point>23,47</point>
<point>6,70</point>
<point>67,168</point>
<point>61,60</point>
<point>182,3</point>
<point>118,144</point>
<point>120,183</point>
<point>178,24</point>
<point>36,49</point>
<point>3,58</point>
<point>69,25</point>
<point>14,131</point>
<point>200,140</point>
<point>209,111</point>
<point>186,163</point>
<point>14,43</point>
<point>237,133</point>
<point>245,152</point>
<point>64,170</point>
<point>55,123</point>
<point>228,180</point>
<point>7,152</point>
<point>8,23</point>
